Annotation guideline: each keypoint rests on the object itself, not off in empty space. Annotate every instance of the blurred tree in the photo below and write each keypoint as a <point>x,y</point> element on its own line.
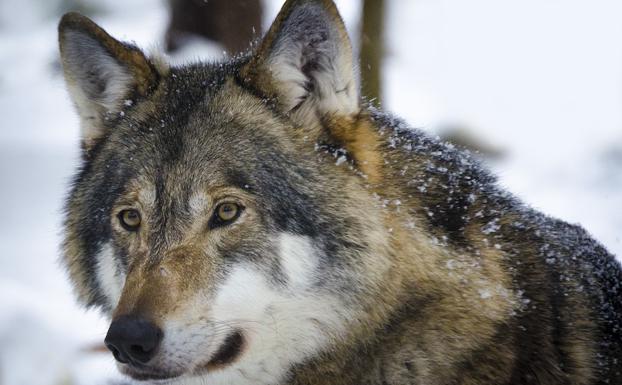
<point>232,23</point>
<point>466,138</point>
<point>235,23</point>
<point>372,49</point>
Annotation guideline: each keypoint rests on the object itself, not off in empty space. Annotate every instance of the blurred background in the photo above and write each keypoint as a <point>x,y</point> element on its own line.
<point>534,86</point>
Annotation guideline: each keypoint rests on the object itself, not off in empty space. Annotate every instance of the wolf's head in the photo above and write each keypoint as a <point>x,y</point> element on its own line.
<point>217,217</point>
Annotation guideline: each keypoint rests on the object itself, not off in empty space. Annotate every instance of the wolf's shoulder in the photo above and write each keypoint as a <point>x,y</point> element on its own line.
<point>461,177</point>
<point>438,156</point>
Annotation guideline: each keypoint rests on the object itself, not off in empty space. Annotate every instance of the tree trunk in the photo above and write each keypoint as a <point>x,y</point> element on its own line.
<point>372,49</point>
<point>232,23</point>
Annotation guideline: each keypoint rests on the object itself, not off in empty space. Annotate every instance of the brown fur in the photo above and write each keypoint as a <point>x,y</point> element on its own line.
<point>445,280</point>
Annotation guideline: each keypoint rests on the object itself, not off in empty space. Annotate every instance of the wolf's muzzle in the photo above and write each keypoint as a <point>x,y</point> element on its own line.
<point>133,339</point>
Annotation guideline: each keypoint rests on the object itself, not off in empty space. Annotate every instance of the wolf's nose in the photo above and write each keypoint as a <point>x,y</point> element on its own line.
<point>133,339</point>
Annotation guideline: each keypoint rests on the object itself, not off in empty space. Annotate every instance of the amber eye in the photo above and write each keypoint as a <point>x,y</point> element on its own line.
<point>225,213</point>
<point>130,219</point>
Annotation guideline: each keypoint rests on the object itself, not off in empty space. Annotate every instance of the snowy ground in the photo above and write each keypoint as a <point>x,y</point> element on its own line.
<point>540,79</point>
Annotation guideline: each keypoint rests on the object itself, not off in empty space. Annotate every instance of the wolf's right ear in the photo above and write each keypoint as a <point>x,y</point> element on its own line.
<point>101,73</point>
<point>305,62</point>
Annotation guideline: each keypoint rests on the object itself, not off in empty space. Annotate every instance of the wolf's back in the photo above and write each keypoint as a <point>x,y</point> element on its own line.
<point>573,254</point>
<point>569,324</point>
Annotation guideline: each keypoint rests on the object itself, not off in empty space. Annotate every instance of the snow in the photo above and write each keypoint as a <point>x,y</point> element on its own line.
<point>491,227</point>
<point>341,159</point>
<point>540,80</point>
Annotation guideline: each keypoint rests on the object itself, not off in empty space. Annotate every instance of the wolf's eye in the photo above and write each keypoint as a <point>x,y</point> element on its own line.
<point>130,219</point>
<point>225,213</point>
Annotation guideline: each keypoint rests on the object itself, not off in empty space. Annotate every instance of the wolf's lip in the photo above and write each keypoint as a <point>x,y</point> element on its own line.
<point>229,351</point>
<point>143,373</point>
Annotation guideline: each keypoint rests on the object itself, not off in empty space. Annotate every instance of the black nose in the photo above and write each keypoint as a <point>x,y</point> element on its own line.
<point>133,339</point>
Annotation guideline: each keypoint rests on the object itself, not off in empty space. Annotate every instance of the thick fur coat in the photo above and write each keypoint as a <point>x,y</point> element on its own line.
<point>254,221</point>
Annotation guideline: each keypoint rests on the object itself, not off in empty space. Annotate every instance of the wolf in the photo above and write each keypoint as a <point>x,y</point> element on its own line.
<point>256,221</point>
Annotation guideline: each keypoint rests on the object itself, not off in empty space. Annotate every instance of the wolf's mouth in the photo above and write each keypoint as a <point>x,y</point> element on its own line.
<point>144,374</point>
<point>228,352</point>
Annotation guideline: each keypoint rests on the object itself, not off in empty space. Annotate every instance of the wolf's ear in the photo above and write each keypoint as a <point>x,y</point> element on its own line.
<point>305,61</point>
<point>100,72</point>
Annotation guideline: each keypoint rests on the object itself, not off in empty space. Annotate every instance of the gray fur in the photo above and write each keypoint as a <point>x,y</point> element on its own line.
<point>425,271</point>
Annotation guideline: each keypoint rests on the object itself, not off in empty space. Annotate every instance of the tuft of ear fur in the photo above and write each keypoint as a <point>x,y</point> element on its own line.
<point>100,72</point>
<point>305,61</point>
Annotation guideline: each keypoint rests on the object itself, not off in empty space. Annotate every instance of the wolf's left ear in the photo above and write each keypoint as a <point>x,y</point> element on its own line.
<point>101,73</point>
<point>306,62</point>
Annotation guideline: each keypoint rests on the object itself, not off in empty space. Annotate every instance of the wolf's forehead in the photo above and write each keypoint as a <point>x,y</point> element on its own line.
<point>194,194</point>
<point>146,193</point>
